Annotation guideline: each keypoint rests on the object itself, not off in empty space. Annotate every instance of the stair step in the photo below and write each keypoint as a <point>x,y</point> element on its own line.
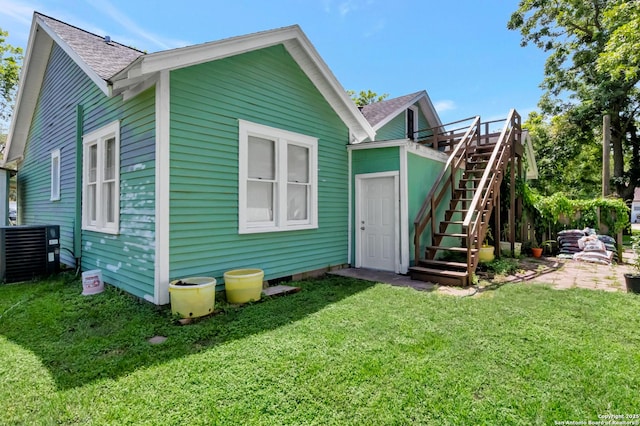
<point>485,147</point>
<point>454,234</point>
<point>452,278</point>
<point>455,249</point>
<point>452,222</point>
<point>442,264</point>
<point>477,161</point>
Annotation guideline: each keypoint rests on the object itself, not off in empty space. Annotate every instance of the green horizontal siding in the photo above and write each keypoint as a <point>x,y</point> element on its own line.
<point>373,160</point>
<point>394,129</point>
<point>126,260</point>
<point>265,87</point>
<point>397,127</point>
<point>422,174</point>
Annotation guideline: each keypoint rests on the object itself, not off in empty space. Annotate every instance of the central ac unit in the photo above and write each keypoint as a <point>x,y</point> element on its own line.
<point>29,252</point>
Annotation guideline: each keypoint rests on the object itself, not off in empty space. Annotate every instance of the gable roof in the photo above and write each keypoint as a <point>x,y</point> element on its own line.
<point>380,113</point>
<point>97,58</point>
<point>141,72</point>
<point>100,54</point>
<point>121,70</point>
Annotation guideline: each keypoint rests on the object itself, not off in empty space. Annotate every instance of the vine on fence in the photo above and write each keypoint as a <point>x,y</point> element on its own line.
<point>557,212</point>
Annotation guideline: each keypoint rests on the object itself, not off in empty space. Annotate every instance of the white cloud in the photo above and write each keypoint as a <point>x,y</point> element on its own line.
<point>345,7</point>
<point>444,105</point>
<point>18,10</point>
<point>163,43</point>
<point>348,6</point>
<point>379,26</point>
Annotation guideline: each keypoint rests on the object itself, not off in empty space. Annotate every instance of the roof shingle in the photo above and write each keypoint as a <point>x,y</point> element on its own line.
<point>105,58</point>
<point>378,111</point>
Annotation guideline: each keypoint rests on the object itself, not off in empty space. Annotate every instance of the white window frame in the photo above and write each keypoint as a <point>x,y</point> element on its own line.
<point>55,175</point>
<point>99,137</point>
<point>282,139</point>
<point>415,122</point>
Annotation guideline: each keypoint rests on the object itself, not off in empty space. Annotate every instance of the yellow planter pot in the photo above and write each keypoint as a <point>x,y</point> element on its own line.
<point>195,299</point>
<point>505,248</point>
<point>486,254</point>
<point>243,285</point>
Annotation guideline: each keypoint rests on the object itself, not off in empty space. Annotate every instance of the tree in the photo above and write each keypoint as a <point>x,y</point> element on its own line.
<point>366,97</point>
<point>10,62</point>
<point>586,76</point>
<point>568,155</point>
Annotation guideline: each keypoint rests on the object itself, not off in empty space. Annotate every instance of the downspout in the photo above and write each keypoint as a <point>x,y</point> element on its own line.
<point>77,225</point>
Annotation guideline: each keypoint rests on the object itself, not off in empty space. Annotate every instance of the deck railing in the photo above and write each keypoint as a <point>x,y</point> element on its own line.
<point>459,144</point>
<point>476,221</point>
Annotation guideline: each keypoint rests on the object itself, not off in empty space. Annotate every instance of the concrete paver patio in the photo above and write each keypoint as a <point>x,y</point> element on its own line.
<point>557,272</point>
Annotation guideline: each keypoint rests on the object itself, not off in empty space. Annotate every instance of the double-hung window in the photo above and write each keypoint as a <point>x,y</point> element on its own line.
<point>101,179</point>
<point>277,179</point>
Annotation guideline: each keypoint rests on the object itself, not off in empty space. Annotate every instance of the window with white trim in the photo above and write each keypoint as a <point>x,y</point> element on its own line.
<point>101,179</point>
<point>278,182</point>
<point>55,175</point>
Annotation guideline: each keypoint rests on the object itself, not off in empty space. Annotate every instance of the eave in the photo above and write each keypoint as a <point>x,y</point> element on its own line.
<point>41,40</point>
<point>135,77</point>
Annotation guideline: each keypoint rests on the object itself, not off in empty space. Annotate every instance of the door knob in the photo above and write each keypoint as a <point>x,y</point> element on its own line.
<point>362,227</point>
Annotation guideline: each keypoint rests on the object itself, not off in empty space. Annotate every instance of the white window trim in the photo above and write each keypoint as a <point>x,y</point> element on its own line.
<point>282,138</point>
<point>415,121</point>
<point>55,175</point>
<point>98,137</point>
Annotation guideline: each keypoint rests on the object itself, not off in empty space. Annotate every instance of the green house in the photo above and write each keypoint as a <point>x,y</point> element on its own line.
<point>240,153</point>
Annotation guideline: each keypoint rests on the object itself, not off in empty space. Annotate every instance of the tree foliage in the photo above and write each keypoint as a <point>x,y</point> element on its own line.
<point>10,62</point>
<point>568,155</point>
<point>592,68</point>
<point>366,97</point>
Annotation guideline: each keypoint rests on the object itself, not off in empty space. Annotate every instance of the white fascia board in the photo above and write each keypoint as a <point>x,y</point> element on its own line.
<point>398,110</point>
<point>206,52</point>
<point>296,43</point>
<point>429,110</point>
<point>31,76</point>
<point>308,58</point>
<point>97,80</point>
<point>412,147</point>
<point>381,144</point>
<point>427,152</point>
<point>426,106</point>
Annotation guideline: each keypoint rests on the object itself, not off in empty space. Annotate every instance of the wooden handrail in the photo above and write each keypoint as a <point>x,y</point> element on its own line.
<point>456,158</point>
<point>474,222</point>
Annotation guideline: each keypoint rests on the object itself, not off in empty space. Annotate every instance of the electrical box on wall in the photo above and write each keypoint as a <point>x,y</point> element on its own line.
<point>29,252</point>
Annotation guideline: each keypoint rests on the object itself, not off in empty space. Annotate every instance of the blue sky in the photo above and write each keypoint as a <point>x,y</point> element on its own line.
<point>459,51</point>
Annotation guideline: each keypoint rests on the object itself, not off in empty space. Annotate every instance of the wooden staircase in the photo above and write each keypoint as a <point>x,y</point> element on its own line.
<point>450,237</point>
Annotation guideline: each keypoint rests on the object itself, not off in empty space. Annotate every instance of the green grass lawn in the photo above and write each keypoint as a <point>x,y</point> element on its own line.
<point>339,352</point>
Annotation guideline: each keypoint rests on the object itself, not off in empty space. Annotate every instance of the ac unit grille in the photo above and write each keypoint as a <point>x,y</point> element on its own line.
<point>29,252</point>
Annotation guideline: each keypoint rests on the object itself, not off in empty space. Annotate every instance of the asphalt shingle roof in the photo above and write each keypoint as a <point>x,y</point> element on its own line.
<point>378,111</point>
<point>105,58</point>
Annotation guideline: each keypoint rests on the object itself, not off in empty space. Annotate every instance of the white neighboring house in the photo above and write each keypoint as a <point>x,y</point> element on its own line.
<point>635,207</point>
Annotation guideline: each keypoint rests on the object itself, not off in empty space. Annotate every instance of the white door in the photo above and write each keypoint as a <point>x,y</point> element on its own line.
<point>377,224</point>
